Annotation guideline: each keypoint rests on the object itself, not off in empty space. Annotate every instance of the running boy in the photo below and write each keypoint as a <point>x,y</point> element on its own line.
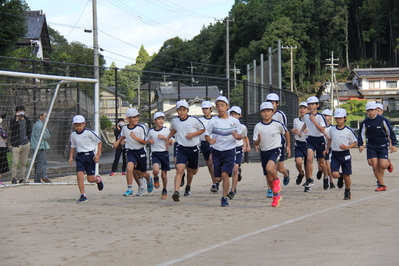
<point>188,130</point>
<point>159,154</point>
<point>327,179</point>
<point>341,140</point>
<point>267,135</point>
<point>380,111</point>
<point>84,141</point>
<point>135,135</point>
<point>376,133</point>
<point>315,123</point>
<point>225,130</point>
<point>300,149</point>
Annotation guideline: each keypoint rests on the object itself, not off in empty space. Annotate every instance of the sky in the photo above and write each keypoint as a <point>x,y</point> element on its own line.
<point>125,25</point>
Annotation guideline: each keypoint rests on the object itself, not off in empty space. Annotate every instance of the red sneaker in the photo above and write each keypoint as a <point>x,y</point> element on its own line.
<point>390,166</point>
<point>276,186</point>
<point>381,188</point>
<point>112,174</point>
<point>276,200</point>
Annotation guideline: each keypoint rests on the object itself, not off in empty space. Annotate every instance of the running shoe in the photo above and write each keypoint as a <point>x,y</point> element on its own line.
<point>14,181</point>
<point>347,195</point>
<point>150,185</point>
<point>142,187</point>
<point>156,182</point>
<point>286,179</point>
<point>164,194</point>
<point>318,175</point>
<point>381,188</point>
<point>214,188</point>
<point>182,180</point>
<point>340,183</point>
<point>224,202</point>
<point>82,198</point>
<point>390,166</point>
<point>128,193</point>
<point>46,180</point>
<point>112,174</point>
<point>176,196</point>
<point>239,174</point>
<point>217,186</point>
<point>187,191</point>
<point>332,185</point>
<point>307,189</point>
<point>276,185</point>
<point>123,173</point>
<point>100,183</point>
<point>326,183</point>
<point>299,179</point>
<point>269,193</point>
<point>276,200</point>
<point>230,194</point>
<point>309,182</point>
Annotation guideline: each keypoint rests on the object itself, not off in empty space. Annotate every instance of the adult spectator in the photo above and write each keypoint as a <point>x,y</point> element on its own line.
<point>20,132</point>
<point>41,160</point>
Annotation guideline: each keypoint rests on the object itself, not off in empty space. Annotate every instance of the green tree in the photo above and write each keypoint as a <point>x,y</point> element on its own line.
<point>355,107</point>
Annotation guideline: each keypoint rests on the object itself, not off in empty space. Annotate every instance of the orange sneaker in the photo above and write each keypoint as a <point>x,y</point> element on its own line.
<point>381,188</point>
<point>390,166</point>
<point>276,185</point>
<point>276,200</point>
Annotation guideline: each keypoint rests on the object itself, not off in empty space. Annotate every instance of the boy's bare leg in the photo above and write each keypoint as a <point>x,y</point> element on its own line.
<point>179,173</point>
<point>80,178</point>
<point>226,183</point>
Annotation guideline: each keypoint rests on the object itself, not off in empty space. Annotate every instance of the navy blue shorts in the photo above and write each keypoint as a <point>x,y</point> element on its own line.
<point>161,158</point>
<point>300,149</point>
<point>206,149</point>
<point>282,149</point>
<point>317,144</point>
<point>85,162</point>
<point>223,161</point>
<point>341,159</point>
<point>239,154</point>
<point>380,153</point>
<point>138,158</point>
<point>175,149</point>
<point>266,156</point>
<point>188,156</point>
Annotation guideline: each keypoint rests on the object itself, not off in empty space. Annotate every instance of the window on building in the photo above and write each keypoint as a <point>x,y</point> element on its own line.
<point>391,84</point>
<point>111,103</point>
<point>374,84</point>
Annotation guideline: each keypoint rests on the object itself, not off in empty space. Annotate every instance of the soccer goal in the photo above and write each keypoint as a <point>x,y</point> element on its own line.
<point>61,98</point>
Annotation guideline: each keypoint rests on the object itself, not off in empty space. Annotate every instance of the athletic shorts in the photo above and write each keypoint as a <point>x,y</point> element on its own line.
<point>206,149</point>
<point>161,158</point>
<point>317,144</point>
<point>239,154</point>
<point>341,159</point>
<point>300,149</point>
<point>380,153</point>
<point>138,158</point>
<point>85,162</point>
<point>188,156</point>
<point>271,155</point>
<point>223,161</point>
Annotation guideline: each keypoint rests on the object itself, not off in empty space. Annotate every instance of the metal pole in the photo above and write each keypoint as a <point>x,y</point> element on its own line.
<point>227,58</point>
<point>116,95</point>
<point>269,50</point>
<point>96,76</point>
<point>262,78</point>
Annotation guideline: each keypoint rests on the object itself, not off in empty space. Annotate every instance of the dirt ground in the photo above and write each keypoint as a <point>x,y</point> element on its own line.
<point>43,225</point>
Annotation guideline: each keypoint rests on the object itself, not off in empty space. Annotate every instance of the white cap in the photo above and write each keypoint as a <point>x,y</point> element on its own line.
<point>339,113</point>
<point>132,112</point>
<point>222,98</point>
<point>327,112</point>
<point>272,97</point>
<point>158,114</point>
<point>77,119</point>
<point>181,103</point>
<point>236,109</point>
<point>371,105</point>
<point>206,104</point>
<point>266,105</point>
<point>303,104</point>
<point>313,99</point>
<point>379,105</point>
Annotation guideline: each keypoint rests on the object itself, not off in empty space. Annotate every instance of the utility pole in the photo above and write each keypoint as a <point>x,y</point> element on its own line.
<point>235,71</point>
<point>96,76</point>
<point>292,64</point>
<point>165,76</point>
<point>331,66</point>
<point>192,72</point>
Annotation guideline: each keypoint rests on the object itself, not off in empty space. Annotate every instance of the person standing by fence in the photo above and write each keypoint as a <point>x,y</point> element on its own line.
<point>120,150</point>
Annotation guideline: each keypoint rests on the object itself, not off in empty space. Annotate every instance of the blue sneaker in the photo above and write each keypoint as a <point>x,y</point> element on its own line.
<point>82,199</point>
<point>286,179</point>
<point>128,193</point>
<point>269,193</point>
<point>150,186</point>
<point>224,202</point>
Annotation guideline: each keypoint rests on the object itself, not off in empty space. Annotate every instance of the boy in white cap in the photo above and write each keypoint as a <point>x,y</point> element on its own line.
<point>376,133</point>
<point>85,141</point>
<point>222,132</point>
<point>380,111</point>
<point>327,179</point>
<point>205,147</point>
<point>315,123</point>
<point>135,135</point>
<point>279,116</point>
<point>188,130</point>
<point>159,154</point>
<point>267,135</point>
<point>300,148</point>
<point>341,140</point>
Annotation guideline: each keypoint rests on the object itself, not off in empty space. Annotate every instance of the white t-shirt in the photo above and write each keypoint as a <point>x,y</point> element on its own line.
<point>159,144</point>
<point>139,130</point>
<point>298,124</point>
<point>221,129</point>
<point>312,129</point>
<point>244,133</point>
<point>190,125</point>
<point>204,121</point>
<point>279,116</point>
<point>270,134</point>
<point>85,141</point>
<point>341,136</point>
